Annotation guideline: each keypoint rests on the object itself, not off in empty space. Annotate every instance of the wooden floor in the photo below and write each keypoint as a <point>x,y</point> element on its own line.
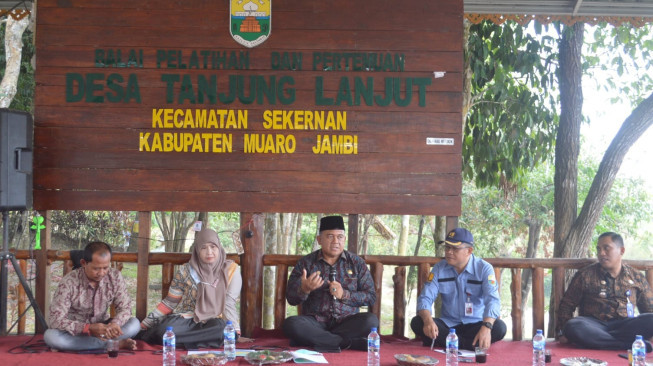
<point>502,353</point>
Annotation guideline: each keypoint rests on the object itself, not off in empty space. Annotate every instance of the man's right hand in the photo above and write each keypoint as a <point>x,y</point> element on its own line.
<point>430,329</point>
<point>311,282</point>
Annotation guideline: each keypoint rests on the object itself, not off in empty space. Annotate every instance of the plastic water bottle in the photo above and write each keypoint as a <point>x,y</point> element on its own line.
<point>230,341</point>
<point>169,345</point>
<point>452,348</point>
<point>539,344</point>
<point>373,348</point>
<point>639,352</point>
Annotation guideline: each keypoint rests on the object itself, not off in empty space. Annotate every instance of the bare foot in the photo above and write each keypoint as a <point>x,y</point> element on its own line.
<point>244,340</point>
<point>128,344</point>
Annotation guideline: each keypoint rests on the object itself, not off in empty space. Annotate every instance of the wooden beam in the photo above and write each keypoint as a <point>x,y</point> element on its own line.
<point>352,234</point>
<point>252,272</point>
<point>43,271</point>
<point>143,267</point>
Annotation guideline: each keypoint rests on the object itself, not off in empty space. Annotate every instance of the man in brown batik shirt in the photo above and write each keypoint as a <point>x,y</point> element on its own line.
<point>606,294</point>
<point>79,320</point>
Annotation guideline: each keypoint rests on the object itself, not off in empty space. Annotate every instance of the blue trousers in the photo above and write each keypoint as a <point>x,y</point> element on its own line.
<point>589,332</point>
<point>64,341</point>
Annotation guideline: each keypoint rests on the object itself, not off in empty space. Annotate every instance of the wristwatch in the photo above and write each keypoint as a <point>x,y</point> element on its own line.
<point>488,324</point>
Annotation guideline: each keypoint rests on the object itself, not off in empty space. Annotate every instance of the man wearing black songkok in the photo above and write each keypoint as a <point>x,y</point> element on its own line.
<point>330,318</point>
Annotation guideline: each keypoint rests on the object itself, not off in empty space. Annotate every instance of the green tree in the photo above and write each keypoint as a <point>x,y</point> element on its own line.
<point>508,104</point>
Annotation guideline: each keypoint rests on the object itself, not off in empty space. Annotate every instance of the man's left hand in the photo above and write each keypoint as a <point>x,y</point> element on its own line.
<point>112,330</point>
<point>483,337</point>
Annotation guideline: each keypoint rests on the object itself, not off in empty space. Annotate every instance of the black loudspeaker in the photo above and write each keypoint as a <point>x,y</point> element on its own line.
<point>16,133</point>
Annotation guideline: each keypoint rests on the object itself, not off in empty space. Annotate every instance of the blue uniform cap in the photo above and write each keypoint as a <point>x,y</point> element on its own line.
<point>459,236</point>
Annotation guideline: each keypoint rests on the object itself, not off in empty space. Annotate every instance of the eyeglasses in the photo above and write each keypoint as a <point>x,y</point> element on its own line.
<point>338,237</point>
<point>454,249</point>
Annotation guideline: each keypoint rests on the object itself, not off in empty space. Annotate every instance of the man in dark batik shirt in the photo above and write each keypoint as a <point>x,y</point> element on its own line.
<point>330,319</point>
<point>606,294</point>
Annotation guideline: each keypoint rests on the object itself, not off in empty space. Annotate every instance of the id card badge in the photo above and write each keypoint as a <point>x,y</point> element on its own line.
<point>469,307</point>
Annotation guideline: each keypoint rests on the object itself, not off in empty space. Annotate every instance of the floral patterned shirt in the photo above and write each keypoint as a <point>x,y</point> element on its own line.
<point>351,273</point>
<point>76,303</point>
<point>597,294</point>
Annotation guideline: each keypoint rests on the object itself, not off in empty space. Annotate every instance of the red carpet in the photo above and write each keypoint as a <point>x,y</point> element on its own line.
<point>502,353</point>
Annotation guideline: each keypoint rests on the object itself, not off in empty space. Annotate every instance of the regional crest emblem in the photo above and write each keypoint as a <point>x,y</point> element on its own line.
<point>250,21</point>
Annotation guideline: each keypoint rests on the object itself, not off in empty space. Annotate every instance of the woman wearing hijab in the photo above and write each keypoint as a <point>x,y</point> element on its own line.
<point>201,298</point>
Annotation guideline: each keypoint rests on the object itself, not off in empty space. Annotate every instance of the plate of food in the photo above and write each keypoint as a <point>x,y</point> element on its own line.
<point>268,357</point>
<point>582,361</point>
<point>202,359</point>
<point>404,359</point>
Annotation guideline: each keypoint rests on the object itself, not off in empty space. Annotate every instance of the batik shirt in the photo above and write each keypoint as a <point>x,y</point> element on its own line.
<point>351,272</point>
<point>182,297</point>
<point>475,285</point>
<point>76,304</point>
<point>597,294</point>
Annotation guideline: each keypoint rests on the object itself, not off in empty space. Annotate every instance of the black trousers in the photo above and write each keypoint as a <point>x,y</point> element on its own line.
<point>465,332</point>
<point>589,332</point>
<point>305,331</point>
<point>188,334</point>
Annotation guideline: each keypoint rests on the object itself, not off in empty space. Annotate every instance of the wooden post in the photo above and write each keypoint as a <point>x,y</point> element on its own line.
<point>497,275</point>
<point>42,283</point>
<point>377,276</point>
<point>399,316</point>
<point>538,298</point>
<point>143,263</point>
<point>167,273</point>
<point>252,272</point>
<point>516,310</point>
<point>452,223</point>
<point>21,298</point>
<point>423,271</point>
<point>280,295</point>
<point>558,292</point>
<point>352,234</point>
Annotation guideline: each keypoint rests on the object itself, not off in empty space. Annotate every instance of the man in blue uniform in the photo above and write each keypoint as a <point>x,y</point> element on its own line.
<point>470,297</point>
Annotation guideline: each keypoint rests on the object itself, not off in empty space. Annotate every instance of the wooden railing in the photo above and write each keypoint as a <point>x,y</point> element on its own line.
<point>283,263</point>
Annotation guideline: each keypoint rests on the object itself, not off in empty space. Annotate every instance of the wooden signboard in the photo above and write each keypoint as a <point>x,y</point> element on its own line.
<point>249,105</point>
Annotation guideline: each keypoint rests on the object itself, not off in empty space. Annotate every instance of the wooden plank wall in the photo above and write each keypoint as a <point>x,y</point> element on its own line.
<point>87,151</point>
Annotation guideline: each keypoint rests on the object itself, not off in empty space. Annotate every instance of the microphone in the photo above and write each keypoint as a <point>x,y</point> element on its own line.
<point>332,278</point>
